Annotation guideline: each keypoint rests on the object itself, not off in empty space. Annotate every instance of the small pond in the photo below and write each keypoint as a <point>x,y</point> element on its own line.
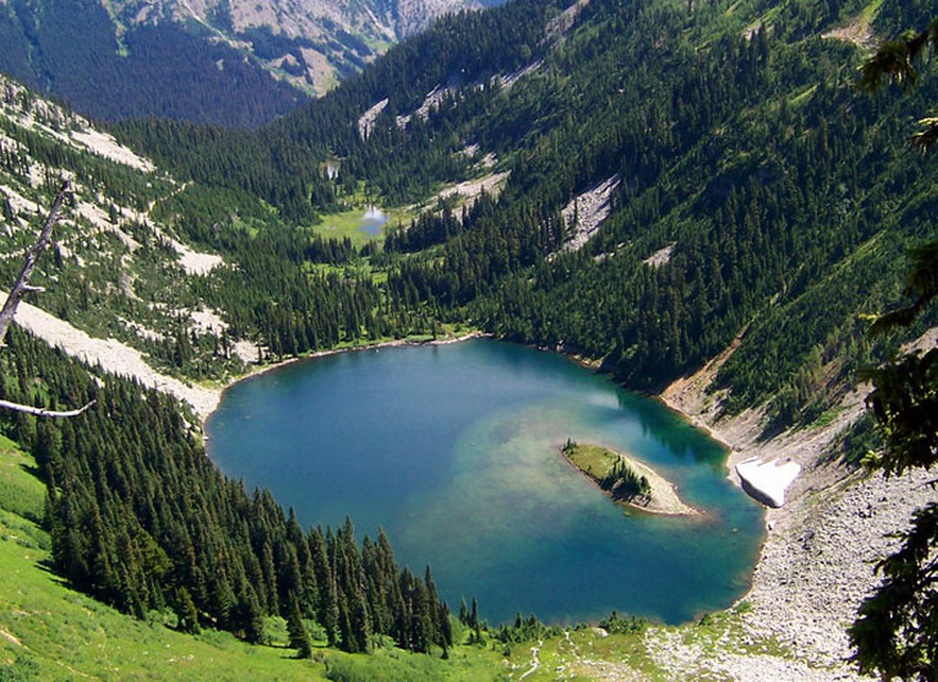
<point>372,222</point>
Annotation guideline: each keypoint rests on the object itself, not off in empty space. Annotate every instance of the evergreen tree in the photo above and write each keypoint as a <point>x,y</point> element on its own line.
<point>247,618</point>
<point>299,636</point>
<point>896,631</point>
<point>187,614</point>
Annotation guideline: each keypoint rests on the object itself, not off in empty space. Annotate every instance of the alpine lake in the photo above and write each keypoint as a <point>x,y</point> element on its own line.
<point>454,450</point>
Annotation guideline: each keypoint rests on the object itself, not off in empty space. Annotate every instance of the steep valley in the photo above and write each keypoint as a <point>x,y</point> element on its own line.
<point>694,199</point>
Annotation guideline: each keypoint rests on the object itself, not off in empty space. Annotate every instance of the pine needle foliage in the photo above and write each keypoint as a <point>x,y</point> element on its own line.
<point>896,630</point>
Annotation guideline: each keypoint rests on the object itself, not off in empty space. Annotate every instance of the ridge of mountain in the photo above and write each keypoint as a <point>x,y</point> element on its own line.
<point>236,63</point>
<point>306,44</point>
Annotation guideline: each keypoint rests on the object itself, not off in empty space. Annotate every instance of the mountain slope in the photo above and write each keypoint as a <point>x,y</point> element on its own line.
<point>233,63</point>
<point>50,632</point>
<point>301,41</point>
<point>764,192</point>
<point>73,51</point>
<point>740,195</point>
<point>113,262</point>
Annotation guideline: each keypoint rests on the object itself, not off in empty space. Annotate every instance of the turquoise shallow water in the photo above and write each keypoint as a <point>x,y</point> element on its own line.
<point>453,450</point>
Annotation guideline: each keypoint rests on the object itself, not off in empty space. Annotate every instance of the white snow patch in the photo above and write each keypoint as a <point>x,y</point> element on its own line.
<point>767,481</point>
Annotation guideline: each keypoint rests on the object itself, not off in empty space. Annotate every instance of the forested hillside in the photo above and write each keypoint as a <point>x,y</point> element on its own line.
<point>666,180</point>
<point>741,151</point>
<point>236,64</point>
<point>137,514</point>
<point>141,519</point>
<point>73,52</point>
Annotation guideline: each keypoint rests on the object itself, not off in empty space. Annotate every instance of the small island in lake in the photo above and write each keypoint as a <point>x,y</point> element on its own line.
<point>625,480</point>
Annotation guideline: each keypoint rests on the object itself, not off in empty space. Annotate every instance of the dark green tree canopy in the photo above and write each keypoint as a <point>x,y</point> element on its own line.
<point>896,631</point>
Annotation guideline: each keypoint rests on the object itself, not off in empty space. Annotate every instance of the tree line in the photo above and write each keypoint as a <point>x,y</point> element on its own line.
<point>141,519</point>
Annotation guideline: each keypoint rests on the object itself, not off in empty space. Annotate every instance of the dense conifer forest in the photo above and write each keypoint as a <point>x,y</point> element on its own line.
<point>141,519</point>
<point>780,187</point>
<point>69,49</point>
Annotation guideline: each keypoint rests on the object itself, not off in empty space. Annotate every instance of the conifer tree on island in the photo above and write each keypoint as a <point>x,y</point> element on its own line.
<point>896,631</point>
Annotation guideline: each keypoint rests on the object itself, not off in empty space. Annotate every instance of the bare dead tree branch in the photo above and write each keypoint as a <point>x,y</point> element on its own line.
<point>23,287</point>
<point>41,411</point>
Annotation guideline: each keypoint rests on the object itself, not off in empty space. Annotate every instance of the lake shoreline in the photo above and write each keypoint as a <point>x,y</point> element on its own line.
<point>515,447</point>
<point>816,563</point>
<point>260,370</point>
<point>799,593</point>
<point>792,591</point>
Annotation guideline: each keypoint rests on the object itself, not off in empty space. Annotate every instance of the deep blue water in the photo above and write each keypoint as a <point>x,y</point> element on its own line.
<point>453,450</point>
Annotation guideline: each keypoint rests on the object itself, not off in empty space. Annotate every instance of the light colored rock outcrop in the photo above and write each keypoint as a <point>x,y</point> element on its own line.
<point>113,355</point>
<point>586,212</point>
<point>817,563</point>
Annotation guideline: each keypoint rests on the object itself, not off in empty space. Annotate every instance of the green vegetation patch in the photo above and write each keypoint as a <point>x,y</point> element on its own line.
<point>21,493</point>
<point>611,471</point>
<point>352,224</point>
<point>50,632</point>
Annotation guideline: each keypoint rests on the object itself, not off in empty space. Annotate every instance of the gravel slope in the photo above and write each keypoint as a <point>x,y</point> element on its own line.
<point>817,563</point>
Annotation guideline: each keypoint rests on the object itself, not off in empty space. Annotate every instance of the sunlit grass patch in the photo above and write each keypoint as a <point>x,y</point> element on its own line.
<point>353,224</point>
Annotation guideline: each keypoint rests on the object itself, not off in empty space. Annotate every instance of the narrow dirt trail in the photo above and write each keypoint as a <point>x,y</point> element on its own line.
<point>535,659</point>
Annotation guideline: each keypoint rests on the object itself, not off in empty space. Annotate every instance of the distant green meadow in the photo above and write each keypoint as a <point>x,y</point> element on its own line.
<point>354,225</point>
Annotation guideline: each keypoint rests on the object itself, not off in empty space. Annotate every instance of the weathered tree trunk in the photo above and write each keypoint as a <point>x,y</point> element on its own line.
<point>23,287</point>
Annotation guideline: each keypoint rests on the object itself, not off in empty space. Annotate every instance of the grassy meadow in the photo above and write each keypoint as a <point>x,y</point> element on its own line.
<point>349,224</point>
<point>50,632</point>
